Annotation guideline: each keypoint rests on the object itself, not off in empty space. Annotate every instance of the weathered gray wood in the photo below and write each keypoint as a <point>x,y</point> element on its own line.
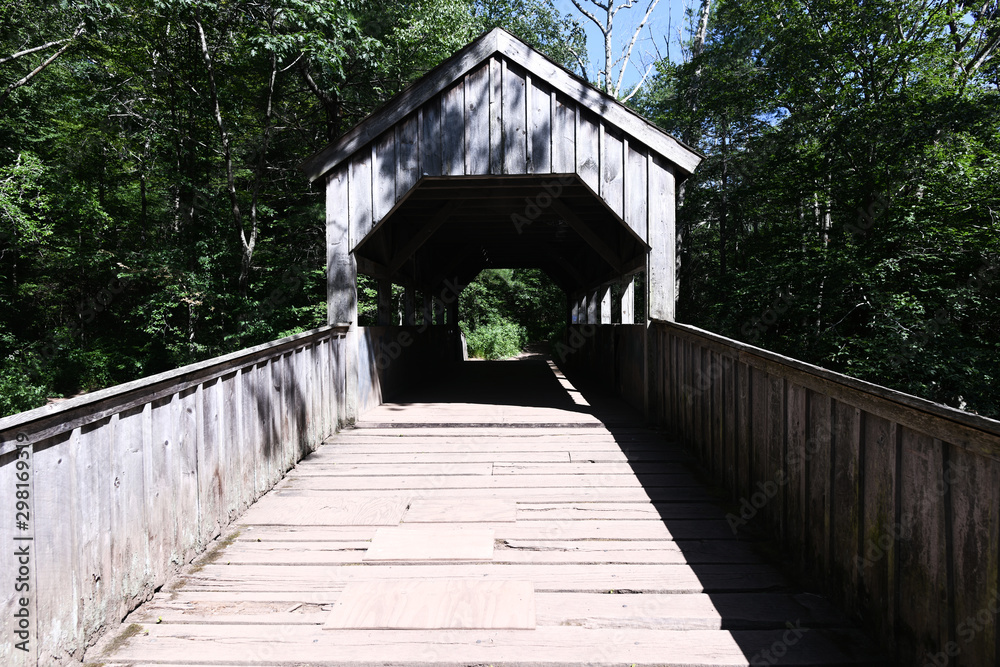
<point>406,102</point>
<point>453,130</point>
<point>477,121</point>
<point>819,498</point>
<point>430,137</point>
<point>881,527</point>
<point>613,170</point>
<point>923,626</point>
<point>516,51</point>
<point>660,235</point>
<point>341,267</point>
<point>417,605</point>
<point>92,522</point>
<point>13,537</point>
<point>563,135</point>
<point>407,155</point>
<point>635,189</point>
<point>210,481</point>
<point>730,442</point>
<point>611,112</point>
<point>540,128</point>
<point>628,300</point>
<point>796,510</point>
<point>963,429</point>
<point>974,499</point>
<point>247,439</point>
<point>847,498</point>
<point>230,450</point>
<point>309,645</point>
<point>55,559</point>
<point>43,423</point>
<point>130,555</point>
<point>496,116</point>
<point>588,148</point>
<point>360,197</point>
<point>514,120</point>
<point>186,474</point>
<point>384,175</point>
<point>716,417</point>
<point>157,480</point>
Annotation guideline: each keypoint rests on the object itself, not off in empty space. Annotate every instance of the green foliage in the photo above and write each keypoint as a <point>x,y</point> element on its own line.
<point>498,339</point>
<point>846,212</point>
<point>124,250</point>
<point>513,307</point>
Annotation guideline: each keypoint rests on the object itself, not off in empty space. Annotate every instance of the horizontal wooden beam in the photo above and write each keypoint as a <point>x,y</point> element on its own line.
<point>421,237</point>
<point>588,235</point>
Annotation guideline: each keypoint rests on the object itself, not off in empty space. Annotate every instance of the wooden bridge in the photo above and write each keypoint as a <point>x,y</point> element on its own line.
<point>499,516</point>
<point>654,495</point>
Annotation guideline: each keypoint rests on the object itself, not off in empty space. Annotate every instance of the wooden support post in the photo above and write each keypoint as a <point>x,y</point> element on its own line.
<point>628,300</point>
<point>604,304</point>
<point>660,292</point>
<point>342,283</point>
<point>453,313</point>
<point>409,307</point>
<point>384,302</point>
<point>428,309</point>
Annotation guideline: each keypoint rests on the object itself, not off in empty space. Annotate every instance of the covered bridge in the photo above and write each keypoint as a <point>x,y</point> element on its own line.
<point>317,499</point>
<point>500,157</point>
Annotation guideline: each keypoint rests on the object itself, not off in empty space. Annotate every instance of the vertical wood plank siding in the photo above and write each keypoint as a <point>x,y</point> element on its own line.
<point>890,503</point>
<point>131,482</point>
<point>500,120</point>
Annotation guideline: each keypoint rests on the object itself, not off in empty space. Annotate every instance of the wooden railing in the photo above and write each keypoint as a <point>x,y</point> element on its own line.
<point>122,486</point>
<point>888,503</point>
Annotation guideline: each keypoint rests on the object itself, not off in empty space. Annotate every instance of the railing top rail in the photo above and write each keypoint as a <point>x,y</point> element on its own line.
<point>50,420</point>
<point>860,393</point>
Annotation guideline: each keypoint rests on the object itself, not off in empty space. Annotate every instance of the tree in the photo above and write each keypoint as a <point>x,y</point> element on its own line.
<point>843,215</point>
<point>603,13</point>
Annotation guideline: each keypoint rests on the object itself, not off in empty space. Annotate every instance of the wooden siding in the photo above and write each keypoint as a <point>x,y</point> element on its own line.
<point>131,482</point>
<point>499,119</point>
<point>489,50</point>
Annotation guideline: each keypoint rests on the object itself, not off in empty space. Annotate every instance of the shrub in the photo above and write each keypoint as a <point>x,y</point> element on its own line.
<point>497,340</point>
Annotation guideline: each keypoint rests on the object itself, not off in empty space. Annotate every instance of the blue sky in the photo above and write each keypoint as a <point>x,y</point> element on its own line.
<point>668,16</point>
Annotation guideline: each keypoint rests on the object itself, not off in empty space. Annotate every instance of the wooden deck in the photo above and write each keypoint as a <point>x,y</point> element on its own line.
<point>499,516</point>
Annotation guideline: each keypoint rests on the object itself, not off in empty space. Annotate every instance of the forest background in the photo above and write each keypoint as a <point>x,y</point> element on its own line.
<point>152,212</point>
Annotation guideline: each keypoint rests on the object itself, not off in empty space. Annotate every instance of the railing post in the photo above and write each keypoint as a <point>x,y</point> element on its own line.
<point>627,303</point>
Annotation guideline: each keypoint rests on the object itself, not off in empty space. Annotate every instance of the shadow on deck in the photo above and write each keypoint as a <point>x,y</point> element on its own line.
<point>628,555</point>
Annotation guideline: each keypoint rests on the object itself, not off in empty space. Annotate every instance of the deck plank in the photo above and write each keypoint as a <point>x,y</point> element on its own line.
<point>628,558</point>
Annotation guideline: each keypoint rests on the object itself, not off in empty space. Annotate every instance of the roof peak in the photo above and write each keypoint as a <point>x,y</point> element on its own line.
<point>493,42</point>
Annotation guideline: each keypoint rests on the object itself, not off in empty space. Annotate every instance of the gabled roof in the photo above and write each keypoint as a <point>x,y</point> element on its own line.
<point>498,41</point>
